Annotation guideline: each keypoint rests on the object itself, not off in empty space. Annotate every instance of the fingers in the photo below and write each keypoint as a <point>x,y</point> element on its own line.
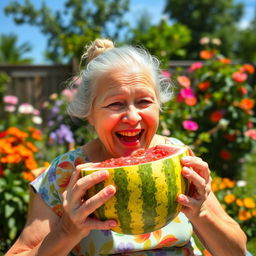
<point>93,203</point>
<point>81,185</point>
<point>198,165</point>
<point>94,223</point>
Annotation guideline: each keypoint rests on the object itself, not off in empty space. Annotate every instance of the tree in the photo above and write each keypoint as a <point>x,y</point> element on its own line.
<point>11,53</point>
<point>162,40</point>
<point>70,29</point>
<point>207,18</point>
<point>247,43</point>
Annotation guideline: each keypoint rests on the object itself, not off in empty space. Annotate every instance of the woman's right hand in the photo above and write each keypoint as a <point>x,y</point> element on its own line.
<point>76,220</point>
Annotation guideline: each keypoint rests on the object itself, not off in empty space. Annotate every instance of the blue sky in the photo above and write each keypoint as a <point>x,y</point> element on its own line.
<point>32,35</point>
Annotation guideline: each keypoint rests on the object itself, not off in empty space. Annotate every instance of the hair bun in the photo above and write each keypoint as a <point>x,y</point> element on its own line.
<point>96,48</point>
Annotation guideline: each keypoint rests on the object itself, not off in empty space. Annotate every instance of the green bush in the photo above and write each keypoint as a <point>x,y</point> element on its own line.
<point>213,111</point>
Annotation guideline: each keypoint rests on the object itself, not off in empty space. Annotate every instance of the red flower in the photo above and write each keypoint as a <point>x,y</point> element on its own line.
<point>239,77</point>
<point>225,154</point>
<point>216,116</point>
<point>230,137</point>
<point>251,133</point>
<point>196,65</point>
<point>243,90</point>
<point>203,86</point>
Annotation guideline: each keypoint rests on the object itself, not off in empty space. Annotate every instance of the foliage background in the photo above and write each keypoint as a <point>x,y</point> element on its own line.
<point>213,110</point>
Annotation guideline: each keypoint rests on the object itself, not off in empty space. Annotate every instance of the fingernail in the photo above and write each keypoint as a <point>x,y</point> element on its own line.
<point>112,224</point>
<point>182,198</point>
<point>186,158</point>
<point>110,190</point>
<point>186,171</point>
<point>103,173</point>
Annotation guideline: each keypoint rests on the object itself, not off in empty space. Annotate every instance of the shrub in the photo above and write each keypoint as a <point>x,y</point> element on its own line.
<point>239,205</point>
<point>213,111</point>
<point>17,160</point>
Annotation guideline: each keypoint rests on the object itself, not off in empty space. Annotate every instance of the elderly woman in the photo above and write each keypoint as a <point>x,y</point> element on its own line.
<point>120,95</point>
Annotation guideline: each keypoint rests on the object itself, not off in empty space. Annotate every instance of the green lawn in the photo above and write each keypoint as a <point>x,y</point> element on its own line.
<point>250,177</point>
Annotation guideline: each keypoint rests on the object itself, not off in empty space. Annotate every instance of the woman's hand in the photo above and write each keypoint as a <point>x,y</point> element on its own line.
<point>76,220</point>
<point>198,174</point>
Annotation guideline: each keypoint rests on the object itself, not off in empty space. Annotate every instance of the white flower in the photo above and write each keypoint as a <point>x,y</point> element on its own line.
<point>216,41</point>
<point>241,183</point>
<point>37,120</point>
<point>25,108</point>
<point>204,40</point>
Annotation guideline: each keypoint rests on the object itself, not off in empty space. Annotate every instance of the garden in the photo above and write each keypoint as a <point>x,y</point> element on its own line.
<point>212,111</point>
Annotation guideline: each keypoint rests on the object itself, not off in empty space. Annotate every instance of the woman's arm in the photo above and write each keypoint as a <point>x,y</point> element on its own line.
<point>220,234</point>
<point>47,234</point>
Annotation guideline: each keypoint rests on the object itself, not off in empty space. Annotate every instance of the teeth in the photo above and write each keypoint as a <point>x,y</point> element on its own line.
<point>129,133</point>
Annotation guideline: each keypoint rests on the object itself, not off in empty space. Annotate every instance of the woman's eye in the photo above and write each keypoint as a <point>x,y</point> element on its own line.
<point>116,105</point>
<point>144,102</point>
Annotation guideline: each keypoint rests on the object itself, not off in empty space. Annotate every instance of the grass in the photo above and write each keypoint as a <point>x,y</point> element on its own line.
<point>249,175</point>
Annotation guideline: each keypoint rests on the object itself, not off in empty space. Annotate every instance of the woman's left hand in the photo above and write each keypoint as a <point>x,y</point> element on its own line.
<point>198,174</point>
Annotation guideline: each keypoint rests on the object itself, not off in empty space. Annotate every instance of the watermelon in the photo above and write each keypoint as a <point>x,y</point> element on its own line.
<point>147,184</point>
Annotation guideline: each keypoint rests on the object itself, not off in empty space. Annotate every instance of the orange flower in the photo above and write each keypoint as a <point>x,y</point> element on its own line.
<point>229,199</point>
<point>203,86</point>
<point>225,154</point>
<point>239,202</point>
<point>225,61</point>
<point>230,183</point>
<point>249,203</point>
<point>28,176</point>
<point>31,163</point>
<point>184,81</point>
<point>247,68</point>
<point>244,215</point>
<point>36,134</point>
<point>207,54</point>
<point>31,146</point>
<point>191,101</point>
<point>247,104</point>
<point>17,133</point>
<point>254,213</point>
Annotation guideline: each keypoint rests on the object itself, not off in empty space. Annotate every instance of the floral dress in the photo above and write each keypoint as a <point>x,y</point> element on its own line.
<point>174,239</point>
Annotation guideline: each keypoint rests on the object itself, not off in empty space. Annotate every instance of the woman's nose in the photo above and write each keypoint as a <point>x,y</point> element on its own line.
<point>132,115</point>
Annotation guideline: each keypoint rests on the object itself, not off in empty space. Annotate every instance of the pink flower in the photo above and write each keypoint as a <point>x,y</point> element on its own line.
<point>166,73</point>
<point>187,93</point>
<point>184,81</point>
<point>69,94</point>
<point>190,125</point>
<point>25,108</point>
<point>251,133</point>
<point>36,112</point>
<point>10,99</point>
<point>9,108</point>
<point>196,65</point>
<point>239,77</point>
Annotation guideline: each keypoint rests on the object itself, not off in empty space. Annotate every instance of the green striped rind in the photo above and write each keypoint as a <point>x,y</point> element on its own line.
<point>146,195</point>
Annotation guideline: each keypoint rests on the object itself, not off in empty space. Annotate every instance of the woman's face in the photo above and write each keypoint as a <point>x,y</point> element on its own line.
<point>125,112</point>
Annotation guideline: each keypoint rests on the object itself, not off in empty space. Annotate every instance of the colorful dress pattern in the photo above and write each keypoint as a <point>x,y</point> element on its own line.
<point>172,240</point>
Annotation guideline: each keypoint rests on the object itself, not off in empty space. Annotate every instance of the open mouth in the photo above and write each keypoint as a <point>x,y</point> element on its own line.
<point>129,136</point>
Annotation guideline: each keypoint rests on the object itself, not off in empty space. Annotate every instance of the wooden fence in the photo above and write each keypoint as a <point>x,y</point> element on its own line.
<point>34,83</point>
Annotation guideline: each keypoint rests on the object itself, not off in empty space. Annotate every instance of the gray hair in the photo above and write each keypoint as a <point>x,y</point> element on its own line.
<point>111,59</point>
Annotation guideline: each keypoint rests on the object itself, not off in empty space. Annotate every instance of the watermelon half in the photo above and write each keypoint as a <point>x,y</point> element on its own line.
<point>147,184</point>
